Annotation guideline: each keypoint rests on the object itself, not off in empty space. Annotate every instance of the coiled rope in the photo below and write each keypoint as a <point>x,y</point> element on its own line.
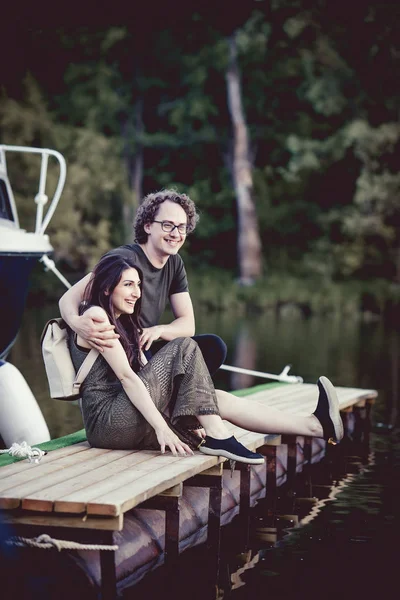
<point>45,542</point>
<point>24,451</point>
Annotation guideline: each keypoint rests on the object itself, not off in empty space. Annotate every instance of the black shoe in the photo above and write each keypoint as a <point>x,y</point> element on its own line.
<point>230,448</point>
<point>327,411</point>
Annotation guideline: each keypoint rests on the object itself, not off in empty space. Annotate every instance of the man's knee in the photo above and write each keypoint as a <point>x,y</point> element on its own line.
<point>213,349</point>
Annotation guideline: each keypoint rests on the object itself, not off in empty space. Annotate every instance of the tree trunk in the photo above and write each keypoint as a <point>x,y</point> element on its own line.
<point>397,263</point>
<point>249,242</point>
<point>134,164</point>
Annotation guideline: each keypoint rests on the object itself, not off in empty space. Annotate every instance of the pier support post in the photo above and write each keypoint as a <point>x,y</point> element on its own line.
<point>212,479</point>
<point>244,500</point>
<point>244,506</point>
<point>291,441</point>
<point>108,572</point>
<point>269,451</point>
<point>169,501</point>
<point>307,450</point>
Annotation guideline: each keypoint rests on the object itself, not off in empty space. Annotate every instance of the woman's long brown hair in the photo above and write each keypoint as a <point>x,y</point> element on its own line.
<point>105,277</point>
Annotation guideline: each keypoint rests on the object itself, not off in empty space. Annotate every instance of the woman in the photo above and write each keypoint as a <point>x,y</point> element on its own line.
<point>128,402</point>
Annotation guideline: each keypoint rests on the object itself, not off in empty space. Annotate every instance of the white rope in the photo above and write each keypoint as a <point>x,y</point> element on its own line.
<point>45,542</point>
<point>24,451</point>
<point>51,266</point>
<point>283,376</point>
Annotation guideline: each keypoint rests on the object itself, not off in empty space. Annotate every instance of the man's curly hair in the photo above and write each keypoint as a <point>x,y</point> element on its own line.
<point>147,212</point>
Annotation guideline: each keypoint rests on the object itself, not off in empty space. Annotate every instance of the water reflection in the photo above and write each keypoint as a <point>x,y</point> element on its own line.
<point>245,356</point>
<point>348,351</point>
<point>354,535</point>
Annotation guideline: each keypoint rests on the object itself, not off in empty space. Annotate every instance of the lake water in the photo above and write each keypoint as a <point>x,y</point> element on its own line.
<point>351,352</point>
<point>349,549</point>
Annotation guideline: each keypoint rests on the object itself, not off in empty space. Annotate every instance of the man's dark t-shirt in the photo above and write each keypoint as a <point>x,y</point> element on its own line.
<point>158,284</point>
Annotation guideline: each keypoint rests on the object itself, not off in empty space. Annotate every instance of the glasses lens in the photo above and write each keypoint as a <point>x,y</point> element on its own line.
<point>167,226</point>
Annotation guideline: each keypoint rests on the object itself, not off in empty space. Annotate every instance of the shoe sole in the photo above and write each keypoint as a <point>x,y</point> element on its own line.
<point>226,454</point>
<point>334,412</point>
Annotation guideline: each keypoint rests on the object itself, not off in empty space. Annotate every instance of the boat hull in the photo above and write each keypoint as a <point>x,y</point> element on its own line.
<point>21,419</point>
<point>15,272</point>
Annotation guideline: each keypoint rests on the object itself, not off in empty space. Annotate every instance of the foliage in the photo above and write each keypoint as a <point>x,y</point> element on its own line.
<point>321,105</point>
<point>82,228</point>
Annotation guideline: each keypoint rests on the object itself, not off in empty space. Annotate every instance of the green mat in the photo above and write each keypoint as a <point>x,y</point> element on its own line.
<point>62,442</point>
<point>80,436</point>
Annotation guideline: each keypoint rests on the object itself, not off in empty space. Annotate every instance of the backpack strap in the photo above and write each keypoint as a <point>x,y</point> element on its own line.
<point>85,367</point>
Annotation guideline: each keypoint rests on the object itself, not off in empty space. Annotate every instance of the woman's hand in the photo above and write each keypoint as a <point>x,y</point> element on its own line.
<point>166,437</point>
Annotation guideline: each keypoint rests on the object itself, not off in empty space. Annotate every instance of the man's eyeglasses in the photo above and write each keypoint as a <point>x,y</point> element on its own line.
<point>169,227</point>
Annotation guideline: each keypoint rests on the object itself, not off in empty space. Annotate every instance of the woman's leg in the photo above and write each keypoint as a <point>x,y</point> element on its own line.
<point>324,422</point>
<point>194,394</point>
<point>264,419</point>
<point>256,417</point>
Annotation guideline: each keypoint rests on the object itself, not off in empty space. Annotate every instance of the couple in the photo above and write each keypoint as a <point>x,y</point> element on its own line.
<point>140,396</point>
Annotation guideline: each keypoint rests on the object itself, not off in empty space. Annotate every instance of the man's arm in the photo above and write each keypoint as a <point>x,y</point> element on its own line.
<point>182,326</point>
<point>97,332</point>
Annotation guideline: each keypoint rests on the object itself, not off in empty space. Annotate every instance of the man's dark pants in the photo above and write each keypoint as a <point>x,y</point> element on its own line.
<point>212,347</point>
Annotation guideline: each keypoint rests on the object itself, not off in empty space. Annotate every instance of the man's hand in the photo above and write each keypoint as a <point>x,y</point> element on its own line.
<point>95,328</point>
<point>150,335</point>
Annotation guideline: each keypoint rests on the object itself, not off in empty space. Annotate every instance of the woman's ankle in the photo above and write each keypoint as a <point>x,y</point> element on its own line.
<point>214,427</point>
<point>218,433</point>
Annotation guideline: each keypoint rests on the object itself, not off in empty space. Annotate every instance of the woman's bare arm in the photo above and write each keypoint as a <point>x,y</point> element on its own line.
<point>137,393</point>
<point>139,396</point>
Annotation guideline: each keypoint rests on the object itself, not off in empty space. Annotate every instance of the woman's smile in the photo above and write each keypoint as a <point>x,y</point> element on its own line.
<point>126,292</point>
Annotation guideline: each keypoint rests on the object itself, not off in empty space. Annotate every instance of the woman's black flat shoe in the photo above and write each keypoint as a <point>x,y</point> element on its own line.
<point>232,449</point>
<point>328,413</point>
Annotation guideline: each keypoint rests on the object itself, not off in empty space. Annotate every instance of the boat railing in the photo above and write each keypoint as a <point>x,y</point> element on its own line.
<point>41,223</point>
<point>41,198</point>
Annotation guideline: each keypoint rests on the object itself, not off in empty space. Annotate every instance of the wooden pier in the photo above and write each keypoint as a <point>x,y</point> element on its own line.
<point>143,508</point>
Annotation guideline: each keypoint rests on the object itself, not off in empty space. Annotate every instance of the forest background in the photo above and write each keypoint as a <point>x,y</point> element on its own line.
<point>280,119</point>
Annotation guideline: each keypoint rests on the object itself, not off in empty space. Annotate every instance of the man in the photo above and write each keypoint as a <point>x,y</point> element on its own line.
<point>161,225</point>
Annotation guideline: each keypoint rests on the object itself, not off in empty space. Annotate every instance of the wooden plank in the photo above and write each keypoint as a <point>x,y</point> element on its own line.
<point>97,470</point>
<point>174,491</point>
<point>361,403</point>
<point>301,398</point>
<point>67,521</point>
<point>73,477</point>
<point>254,440</point>
<point>25,465</point>
<point>300,392</point>
<point>33,480</point>
<point>297,390</point>
<point>48,475</point>
<point>278,392</point>
<point>215,471</point>
<point>45,471</point>
<point>149,484</point>
<point>75,501</point>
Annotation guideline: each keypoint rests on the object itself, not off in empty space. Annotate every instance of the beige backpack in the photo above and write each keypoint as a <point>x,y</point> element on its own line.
<point>64,383</point>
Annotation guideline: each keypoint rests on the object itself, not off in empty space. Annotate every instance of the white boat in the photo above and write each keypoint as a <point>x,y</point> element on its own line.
<point>20,416</point>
